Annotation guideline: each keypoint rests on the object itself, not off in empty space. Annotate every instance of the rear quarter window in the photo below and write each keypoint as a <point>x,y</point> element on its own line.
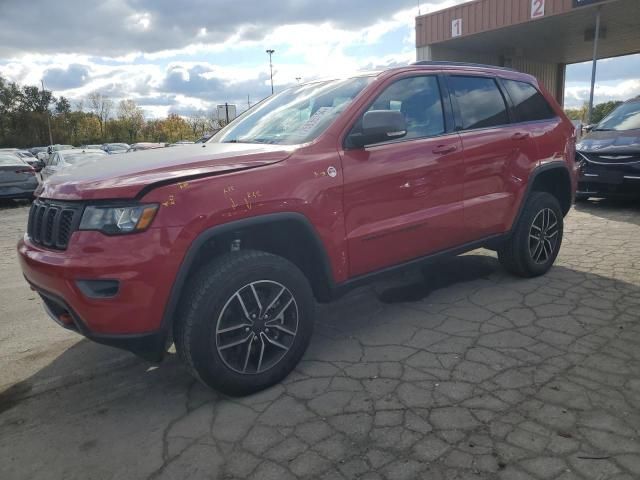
<point>480,102</point>
<point>528,103</point>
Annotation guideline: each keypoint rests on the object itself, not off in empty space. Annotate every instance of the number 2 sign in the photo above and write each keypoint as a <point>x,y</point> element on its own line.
<point>537,8</point>
<point>456,27</point>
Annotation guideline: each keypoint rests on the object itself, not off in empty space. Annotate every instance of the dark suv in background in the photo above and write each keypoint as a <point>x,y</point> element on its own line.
<point>608,157</point>
<point>223,248</point>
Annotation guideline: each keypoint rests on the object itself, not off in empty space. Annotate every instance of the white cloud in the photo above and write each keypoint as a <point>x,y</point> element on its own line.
<point>213,63</point>
<point>576,95</point>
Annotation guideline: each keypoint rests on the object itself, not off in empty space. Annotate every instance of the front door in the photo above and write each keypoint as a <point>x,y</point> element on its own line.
<point>403,198</point>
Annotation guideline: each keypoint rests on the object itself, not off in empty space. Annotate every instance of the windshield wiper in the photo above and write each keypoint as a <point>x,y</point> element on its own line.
<point>603,130</point>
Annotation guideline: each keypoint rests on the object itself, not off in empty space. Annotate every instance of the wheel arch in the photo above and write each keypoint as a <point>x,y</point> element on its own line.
<point>290,235</point>
<point>555,179</point>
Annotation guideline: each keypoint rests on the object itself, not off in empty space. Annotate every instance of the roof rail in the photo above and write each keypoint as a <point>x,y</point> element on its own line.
<point>461,64</point>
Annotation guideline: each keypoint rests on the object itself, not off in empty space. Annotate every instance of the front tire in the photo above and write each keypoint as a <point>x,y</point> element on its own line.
<point>245,322</point>
<point>536,239</point>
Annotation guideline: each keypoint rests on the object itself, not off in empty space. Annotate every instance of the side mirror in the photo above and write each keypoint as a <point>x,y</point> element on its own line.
<point>588,128</point>
<point>379,126</point>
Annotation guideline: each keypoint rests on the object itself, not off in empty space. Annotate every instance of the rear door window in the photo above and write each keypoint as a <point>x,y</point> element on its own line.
<point>528,103</point>
<point>480,102</point>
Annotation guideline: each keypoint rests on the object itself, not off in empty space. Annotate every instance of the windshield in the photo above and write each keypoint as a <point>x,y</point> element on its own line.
<point>625,117</point>
<point>297,115</point>
<point>80,157</point>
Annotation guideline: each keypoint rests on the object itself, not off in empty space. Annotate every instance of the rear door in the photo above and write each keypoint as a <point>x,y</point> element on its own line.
<point>497,153</point>
<point>532,113</point>
<point>403,198</point>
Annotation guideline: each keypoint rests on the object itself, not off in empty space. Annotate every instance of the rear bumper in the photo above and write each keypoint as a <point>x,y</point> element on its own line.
<point>18,191</point>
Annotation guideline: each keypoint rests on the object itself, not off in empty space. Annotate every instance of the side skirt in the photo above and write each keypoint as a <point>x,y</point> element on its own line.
<point>492,243</point>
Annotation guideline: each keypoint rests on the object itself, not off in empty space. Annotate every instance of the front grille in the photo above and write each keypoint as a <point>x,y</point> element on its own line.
<point>610,158</point>
<point>52,223</point>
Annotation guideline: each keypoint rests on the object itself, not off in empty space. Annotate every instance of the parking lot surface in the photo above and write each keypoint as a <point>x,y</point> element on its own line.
<point>457,372</point>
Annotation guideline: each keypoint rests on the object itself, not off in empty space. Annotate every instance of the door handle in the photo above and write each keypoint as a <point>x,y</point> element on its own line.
<point>520,135</point>
<point>442,149</point>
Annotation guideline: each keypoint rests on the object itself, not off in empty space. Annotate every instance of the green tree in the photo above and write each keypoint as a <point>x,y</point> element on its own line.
<point>601,110</point>
<point>131,119</point>
<point>63,107</point>
<point>101,106</point>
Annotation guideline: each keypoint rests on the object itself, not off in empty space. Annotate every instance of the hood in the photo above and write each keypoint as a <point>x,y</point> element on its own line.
<point>610,141</point>
<point>124,176</point>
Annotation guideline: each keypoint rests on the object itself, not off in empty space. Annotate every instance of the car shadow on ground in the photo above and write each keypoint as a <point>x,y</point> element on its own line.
<point>616,209</point>
<point>383,348</point>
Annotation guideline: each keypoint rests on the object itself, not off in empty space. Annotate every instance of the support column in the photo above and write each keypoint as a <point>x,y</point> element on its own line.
<point>596,37</point>
<point>561,71</point>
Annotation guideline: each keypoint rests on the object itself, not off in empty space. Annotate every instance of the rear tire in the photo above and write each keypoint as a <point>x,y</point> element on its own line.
<point>536,239</point>
<point>245,322</point>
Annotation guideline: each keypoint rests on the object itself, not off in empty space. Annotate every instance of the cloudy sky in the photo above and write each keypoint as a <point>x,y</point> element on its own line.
<point>186,56</point>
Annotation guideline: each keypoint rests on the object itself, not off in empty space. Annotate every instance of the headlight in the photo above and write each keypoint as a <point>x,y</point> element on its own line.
<point>117,220</point>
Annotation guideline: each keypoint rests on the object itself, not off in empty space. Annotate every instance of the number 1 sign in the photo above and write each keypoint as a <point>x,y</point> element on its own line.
<point>456,27</point>
<point>537,8</point>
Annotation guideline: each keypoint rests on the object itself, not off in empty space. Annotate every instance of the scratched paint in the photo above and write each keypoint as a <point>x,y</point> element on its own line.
<point>170,201</point>
<point>248,199</point>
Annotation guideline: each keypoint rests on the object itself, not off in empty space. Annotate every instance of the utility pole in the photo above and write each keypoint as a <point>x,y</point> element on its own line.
<point>596,36</point>
<point>271,52</point>
<point>248,102</point>
<point>48,119</point>
<point>226,109</point>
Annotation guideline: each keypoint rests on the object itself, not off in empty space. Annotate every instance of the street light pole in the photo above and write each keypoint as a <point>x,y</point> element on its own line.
<point>271,52</point>
<point>48,118</point>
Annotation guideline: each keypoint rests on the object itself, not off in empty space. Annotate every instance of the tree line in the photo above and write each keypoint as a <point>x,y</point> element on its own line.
<point>599,111</point>
<point>26,110</point>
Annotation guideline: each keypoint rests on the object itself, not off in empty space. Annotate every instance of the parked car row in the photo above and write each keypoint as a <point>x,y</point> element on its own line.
<point>62,159</point>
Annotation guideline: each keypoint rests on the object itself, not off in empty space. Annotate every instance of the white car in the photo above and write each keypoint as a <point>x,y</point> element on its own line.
<point>62,159</point>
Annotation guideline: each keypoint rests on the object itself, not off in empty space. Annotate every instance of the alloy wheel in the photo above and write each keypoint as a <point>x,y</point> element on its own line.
<point>257,327</point>
<point>543,236</point>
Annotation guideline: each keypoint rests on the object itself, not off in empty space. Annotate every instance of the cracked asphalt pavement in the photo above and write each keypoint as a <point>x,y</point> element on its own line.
<point>460,371</point>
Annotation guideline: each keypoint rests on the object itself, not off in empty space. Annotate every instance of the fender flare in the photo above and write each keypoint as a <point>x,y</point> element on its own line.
<point>188,261</point>
<point>556,165</point>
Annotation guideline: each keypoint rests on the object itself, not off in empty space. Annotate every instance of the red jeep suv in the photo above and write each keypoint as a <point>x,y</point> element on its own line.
<point>223,248</point>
